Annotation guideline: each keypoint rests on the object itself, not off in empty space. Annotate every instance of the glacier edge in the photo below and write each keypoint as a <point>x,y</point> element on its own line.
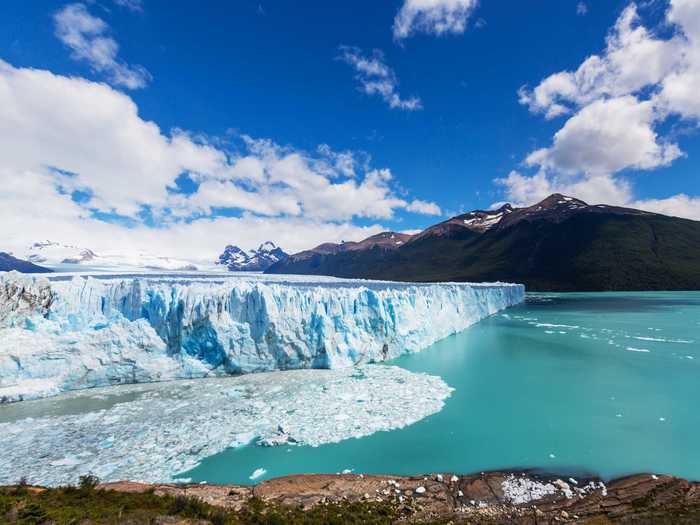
<point>79,332</point>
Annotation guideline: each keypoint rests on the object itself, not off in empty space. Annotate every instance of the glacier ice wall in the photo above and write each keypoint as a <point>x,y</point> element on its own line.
<point>82,332</point>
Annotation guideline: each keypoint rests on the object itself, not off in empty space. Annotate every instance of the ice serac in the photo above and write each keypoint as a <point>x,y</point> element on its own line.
<point>83,332</point>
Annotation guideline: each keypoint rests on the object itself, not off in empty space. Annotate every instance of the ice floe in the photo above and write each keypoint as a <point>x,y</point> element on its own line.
<point>157,431</point>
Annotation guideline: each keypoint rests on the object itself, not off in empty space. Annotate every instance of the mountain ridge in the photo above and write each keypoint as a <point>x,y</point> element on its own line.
<point>558,244</point>
<point>9,263</point>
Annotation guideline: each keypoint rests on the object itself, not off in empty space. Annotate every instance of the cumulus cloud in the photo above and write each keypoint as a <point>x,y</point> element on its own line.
<point>424,207</point>
<point>633,60</point>
<point>132,5</point>
<point>79,163</point>
<point>86,36</point>
<point>436,17</point>
<point>376,78</point>
<point>581,9</point>
<point>615,103</point>
<point>524,190</point>
<point>680,205</point>
<point>607,136</point>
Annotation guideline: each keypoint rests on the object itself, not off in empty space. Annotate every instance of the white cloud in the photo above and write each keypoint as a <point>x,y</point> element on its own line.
<point>85,35</point>
<point>523,190</point>
<point>679,93</point>
<point>93,131</point>
<point>633,60</point>
<point>617,101</point>
<point>64,134</point>
<point>132,5</point>
<point>581,9</point>
<point>607,136</point>
<point>437,17</point>
<point>680,205</point>
<point>33,210</point>
<point>376,78</point>
<point>424,207</point>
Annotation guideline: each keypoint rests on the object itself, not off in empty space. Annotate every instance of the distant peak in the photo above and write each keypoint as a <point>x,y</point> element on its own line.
<point>237,259</point>
<point>267,246</point>
<point>557,198</point>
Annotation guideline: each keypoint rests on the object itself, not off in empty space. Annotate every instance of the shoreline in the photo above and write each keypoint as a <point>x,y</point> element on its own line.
<point>491,497</point>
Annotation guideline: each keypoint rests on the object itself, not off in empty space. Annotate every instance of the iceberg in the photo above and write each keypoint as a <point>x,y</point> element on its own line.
<point>70,332</point>
<point>155,432</point>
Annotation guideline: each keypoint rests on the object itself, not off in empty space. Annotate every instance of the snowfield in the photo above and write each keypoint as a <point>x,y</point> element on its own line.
<point>77,331</point>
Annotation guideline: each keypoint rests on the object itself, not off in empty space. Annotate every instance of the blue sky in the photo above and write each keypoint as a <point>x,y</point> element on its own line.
<point>402,112</point>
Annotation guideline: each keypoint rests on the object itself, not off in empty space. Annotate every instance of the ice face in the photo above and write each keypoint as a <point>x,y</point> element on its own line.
<point>154,432</point>
<point>83,332</point>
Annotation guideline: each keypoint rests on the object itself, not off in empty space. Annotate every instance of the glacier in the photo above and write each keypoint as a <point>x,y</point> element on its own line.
<point>155,432</point>
<point>70,332</point>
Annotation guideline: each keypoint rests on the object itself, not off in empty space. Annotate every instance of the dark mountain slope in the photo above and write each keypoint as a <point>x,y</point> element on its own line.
<point>9,263</point>
<point>585,252</point>
<point>348,259</point>
<point>560,244</point>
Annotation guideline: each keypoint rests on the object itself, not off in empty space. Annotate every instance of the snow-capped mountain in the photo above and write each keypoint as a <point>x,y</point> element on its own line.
<point>50,252</point>
<point>237,260</point>
<point>558,244</point>
<point>54,254</point>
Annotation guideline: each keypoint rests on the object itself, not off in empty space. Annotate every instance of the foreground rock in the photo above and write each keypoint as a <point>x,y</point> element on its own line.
<point>496,497</point>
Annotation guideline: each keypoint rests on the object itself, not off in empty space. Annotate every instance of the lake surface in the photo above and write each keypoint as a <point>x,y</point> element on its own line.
<point>598,383</point>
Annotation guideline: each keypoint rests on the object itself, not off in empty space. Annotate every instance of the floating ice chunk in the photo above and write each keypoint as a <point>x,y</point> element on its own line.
<point>182,480</point>
<point>161,430</point>
<point>552,456</point>
<point>662,340</point>
<point>257,473</point>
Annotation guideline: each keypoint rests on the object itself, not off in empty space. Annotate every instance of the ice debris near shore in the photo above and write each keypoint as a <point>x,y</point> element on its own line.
<point>154,432</point>
<point>79,332</point>
<point>519,490</point>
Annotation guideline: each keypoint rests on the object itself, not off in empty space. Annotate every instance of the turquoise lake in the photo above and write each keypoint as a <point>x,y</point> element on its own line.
<point>596,383</point>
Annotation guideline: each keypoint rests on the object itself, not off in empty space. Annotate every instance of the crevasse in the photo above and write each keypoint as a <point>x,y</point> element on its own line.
<point>83,331</point>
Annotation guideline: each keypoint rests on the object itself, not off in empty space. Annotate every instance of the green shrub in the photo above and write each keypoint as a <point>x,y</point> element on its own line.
<point>88,482</point>
<point>32,514</point>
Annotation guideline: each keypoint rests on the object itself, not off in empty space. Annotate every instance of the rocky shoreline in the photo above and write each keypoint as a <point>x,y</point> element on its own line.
<point>493,497</point>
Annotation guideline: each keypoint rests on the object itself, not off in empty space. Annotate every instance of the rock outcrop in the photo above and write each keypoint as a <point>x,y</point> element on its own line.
<point>487,498</point>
